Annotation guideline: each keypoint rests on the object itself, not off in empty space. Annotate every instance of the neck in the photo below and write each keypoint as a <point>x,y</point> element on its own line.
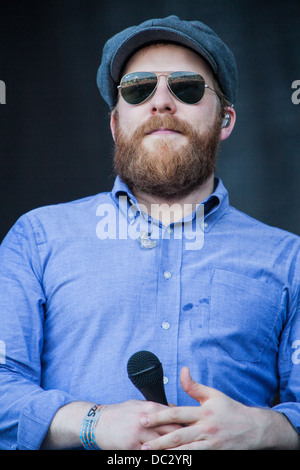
<point>174,210</point>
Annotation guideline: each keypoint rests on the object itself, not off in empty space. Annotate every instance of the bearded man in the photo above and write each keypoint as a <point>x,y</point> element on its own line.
<point>77,302</point>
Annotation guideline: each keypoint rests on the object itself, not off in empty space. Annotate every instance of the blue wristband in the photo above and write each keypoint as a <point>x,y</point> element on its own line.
<point>87,435</point>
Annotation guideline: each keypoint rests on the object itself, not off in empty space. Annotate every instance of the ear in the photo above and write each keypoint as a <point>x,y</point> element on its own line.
<point>226,131</point>
<point>112,124</point>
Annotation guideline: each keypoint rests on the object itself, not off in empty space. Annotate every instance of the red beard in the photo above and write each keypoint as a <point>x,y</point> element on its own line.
<point>168,172</point>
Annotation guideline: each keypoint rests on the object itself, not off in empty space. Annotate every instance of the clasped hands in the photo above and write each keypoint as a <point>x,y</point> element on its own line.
<point>219,423</point>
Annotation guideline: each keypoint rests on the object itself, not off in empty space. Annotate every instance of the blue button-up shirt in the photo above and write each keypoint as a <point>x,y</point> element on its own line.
<point>84,285</point>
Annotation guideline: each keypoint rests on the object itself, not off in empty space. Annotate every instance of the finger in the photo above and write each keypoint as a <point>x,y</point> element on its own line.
<point>196,445</point>
<point>199,392</point>
<point>173,440</point>
<point>177,415</point>
<point>150,434</point>
<point>165,429</point>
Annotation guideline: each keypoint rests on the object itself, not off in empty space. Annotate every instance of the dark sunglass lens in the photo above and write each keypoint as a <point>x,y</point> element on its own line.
<point>187,86</point>
<point>137,87</point>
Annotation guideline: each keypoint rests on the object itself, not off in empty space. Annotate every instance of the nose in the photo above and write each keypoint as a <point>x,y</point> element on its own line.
<point>162,100</point>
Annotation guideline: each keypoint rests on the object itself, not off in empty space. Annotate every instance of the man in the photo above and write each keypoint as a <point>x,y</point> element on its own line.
<point>84,285</point>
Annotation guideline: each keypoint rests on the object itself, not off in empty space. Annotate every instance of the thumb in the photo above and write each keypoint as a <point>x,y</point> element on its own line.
<point>199,392</point>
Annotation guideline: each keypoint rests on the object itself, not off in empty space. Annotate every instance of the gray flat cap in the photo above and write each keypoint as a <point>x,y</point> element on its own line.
<point>192,34</point>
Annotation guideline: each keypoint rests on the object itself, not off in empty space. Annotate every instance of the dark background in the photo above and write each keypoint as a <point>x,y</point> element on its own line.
<point>55,142</point>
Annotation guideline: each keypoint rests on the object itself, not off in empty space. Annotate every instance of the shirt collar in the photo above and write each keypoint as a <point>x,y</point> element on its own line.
<point>214,206</point>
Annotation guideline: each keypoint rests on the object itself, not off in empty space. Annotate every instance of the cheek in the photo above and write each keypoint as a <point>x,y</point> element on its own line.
<point>203,118</point>
<point>129,118</point>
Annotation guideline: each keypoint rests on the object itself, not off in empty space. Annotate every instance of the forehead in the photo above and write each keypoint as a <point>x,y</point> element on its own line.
<point>166,57</point>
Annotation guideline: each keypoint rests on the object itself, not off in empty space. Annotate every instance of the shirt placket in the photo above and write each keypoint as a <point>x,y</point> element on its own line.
<point>168,307</point>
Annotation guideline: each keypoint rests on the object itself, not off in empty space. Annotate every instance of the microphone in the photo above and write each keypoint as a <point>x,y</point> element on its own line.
<point>146,373</point>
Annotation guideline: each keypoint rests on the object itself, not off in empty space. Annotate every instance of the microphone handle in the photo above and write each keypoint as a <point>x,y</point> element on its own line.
<point>155,392</point>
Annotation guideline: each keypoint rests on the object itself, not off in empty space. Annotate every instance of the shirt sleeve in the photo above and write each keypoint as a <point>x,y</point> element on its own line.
<point>289,365</point>
<point>26,410</point>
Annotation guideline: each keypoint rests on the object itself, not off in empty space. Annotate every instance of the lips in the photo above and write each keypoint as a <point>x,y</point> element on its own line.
<point>162,131</point>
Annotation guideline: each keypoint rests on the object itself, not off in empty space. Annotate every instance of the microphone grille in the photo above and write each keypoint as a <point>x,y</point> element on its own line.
<point>144,368</point>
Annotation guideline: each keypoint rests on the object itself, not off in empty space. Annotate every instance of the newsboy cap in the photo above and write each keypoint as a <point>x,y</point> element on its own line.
<point>192,34</point>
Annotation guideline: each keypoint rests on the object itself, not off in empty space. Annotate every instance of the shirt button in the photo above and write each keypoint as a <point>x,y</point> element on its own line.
<point>166,380</point>
<point>205,224</point>
<point>167,275</point>
<point>165,325</point>
<point>169,230</point>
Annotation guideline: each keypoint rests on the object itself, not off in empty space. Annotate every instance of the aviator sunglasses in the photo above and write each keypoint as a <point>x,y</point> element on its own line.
<point>187,87</point>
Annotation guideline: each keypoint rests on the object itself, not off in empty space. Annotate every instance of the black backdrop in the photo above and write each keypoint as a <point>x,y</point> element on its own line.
<point>55,141</point>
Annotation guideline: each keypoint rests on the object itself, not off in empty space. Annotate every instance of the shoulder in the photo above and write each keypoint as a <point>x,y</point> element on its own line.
<point>58,220</point>
<point>245,222</point>
<point>279,248</point>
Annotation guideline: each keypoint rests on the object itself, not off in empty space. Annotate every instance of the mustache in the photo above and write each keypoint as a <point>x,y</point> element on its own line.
<point>168,122</point>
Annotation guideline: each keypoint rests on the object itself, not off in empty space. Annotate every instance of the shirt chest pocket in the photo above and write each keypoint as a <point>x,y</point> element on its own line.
<point>243,314</point>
